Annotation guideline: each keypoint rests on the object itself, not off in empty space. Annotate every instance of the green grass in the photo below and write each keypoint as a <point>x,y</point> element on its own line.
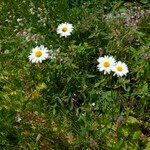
<point>66,103</point>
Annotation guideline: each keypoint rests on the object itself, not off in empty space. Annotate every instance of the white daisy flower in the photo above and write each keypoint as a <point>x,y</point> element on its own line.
<point>120,69</point>
<point>38,54</point>
<point>106,64</point>
<point>65,29</point>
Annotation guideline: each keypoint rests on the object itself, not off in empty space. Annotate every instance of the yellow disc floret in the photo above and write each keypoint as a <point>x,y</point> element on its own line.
<point>64,29</point>
<point>119,68</point>
<point>38,53</point>
<point>106,64</point>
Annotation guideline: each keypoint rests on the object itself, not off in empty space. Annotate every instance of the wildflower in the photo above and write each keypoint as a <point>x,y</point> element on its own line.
<point>106,64</point>
<point>120,69</point>
<point>119,121</point>
<point>65,29</point>
<point>18,118</point>
<point>39,54</point>
<point>93,104</point>
<point>19,20</point>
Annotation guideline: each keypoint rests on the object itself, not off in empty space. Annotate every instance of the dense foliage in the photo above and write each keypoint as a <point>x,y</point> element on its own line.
<point>66,102</point>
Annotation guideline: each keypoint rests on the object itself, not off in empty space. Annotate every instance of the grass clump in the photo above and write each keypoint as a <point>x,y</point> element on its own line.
<point>67,101</point>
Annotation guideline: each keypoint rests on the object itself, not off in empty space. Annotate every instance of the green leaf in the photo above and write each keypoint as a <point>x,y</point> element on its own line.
<point>131,120</point>
<point>147,145</point>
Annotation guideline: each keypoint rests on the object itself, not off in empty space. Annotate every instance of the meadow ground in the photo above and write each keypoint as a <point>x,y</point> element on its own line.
<point>87,87</point>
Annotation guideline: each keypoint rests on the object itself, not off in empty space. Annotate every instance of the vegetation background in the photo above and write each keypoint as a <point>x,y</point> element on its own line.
<point>66,103</point>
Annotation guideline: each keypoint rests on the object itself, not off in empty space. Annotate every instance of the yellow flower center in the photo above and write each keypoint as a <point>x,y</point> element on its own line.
<point>38,53</point>
<point>106,64</point>
<point>119,68</point>
<point>64,29</point>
